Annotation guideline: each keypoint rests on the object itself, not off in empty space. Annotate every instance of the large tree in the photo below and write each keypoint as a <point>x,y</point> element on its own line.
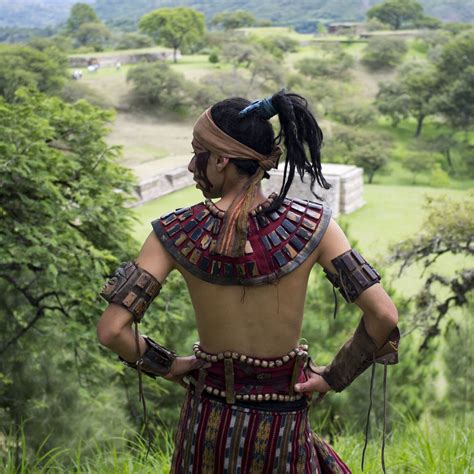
<point>233,20</point>
<point>174,27</point>
<point>448,229</point>
<point>81,13</point>
<point>22,66</point>
<point>412,94</point>
<point>63,228</point>
<point>397,12</point>
<point>455,67</point>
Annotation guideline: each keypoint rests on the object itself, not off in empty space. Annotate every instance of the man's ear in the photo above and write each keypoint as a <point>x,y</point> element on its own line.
<point>221,163</point>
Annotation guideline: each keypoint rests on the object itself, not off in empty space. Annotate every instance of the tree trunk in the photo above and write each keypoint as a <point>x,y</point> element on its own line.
<point>419,125</point>
<point>371,176</point>
<point>448,158</point>
<point>175,54</point>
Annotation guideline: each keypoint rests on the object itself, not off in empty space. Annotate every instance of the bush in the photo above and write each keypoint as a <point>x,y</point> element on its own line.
<point>75,90</point>
<point>157,87</point>
<point>134,41</point>
<point>214,56</point>
<point>439,178</point>
<point>383,53</point>
<point>335,65</point>
<point>353,113</point>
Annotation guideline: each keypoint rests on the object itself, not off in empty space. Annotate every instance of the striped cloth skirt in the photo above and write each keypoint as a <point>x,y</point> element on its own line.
<point>216,437</point>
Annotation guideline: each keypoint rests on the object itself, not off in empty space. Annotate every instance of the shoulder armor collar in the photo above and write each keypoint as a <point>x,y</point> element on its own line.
<point>278,242</point>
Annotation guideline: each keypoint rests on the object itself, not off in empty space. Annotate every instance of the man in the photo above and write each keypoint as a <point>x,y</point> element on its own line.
<point>246,261</point>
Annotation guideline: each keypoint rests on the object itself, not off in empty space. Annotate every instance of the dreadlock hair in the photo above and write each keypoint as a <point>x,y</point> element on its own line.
<point>298,130</point>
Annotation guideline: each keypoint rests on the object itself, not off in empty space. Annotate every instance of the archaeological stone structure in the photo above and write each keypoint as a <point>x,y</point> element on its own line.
<point>344,197</point>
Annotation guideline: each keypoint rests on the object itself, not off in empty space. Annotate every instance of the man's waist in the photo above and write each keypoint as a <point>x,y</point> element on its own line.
<point>239,377</point>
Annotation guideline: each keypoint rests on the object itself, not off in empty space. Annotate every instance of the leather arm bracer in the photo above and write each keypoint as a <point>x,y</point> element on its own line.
<point>354,275</point>
<point>131,287</point>
<point>358,354</point>
<point>156,361</point>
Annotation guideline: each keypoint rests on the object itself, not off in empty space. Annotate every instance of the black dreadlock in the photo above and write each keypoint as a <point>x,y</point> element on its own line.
<point>298,128</point>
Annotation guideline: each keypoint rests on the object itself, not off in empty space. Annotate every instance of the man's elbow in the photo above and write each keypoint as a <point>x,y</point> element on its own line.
<point>106,334</point>
<point>388,314</point>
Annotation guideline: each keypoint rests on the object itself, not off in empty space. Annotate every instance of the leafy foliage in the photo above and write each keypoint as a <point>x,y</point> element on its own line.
<point>336,64</point>
<point>174,27</point>
<point>64,227</point>
<point>158,87</point>
<point>22,66</point>
<point>448,228</point>
<point>396,13</point>
<point>233,20</point>
<point>81,13</point>
<point>384,53</point>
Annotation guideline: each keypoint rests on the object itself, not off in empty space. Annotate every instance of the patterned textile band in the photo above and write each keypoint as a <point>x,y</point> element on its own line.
<point>215,437</point>
<point>238,377</point>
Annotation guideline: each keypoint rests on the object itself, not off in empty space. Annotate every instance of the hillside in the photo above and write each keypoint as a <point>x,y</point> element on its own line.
<point>299,13</point>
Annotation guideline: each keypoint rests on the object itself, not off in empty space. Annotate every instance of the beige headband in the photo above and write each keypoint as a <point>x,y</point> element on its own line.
<point>209,137</point>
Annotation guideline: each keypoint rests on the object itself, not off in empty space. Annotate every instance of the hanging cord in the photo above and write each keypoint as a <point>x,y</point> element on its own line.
<point>335,301</point>
<point>384,413</point>
<point>141,394</point>
<point>372,377</point>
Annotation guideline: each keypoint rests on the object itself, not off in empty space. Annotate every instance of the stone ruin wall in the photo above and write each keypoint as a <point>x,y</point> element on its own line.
<point>344,197</point>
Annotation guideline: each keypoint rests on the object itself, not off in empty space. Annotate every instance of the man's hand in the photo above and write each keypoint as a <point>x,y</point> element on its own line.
<point>314,383</point>
<point>182,366</point>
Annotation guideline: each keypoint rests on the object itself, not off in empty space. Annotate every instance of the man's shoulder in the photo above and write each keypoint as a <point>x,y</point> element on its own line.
<point>278,240</point>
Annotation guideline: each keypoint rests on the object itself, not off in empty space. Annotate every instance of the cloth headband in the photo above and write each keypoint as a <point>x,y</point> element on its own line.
<point>209,137</point>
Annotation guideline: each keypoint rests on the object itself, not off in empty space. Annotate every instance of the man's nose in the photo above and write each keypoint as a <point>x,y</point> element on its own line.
<point>192,164</point>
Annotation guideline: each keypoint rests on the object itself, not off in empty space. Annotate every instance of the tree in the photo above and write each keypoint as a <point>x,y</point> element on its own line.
<point>64,227</point>
<point>371,157</point>
<point>417,162</point>
<point>277,46</point>
<point>353,112</point>
<point>447,229</point>
<point>92,34</point>
<point>174,27</point>
<point>455,72</point>
<point>233,20</point>
<point>81,13</point>
<point>134,41</point>
<point>383,53</point>
<point>156,86</point>
<point>411,95</point>
<point>391,100</point>
<point>21,66</point>
<point>336,64</point>
<point>396,12</point>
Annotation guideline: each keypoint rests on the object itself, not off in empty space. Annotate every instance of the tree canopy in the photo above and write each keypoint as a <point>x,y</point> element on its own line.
<point>81,13</point>
<point>22,66</point>
<point>397,12</point>
<point>174,27</point>
<point>233,20</point>
<point>64,228</point>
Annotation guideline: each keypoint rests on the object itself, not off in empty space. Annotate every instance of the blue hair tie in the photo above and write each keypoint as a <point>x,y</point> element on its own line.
<point>263,107</point>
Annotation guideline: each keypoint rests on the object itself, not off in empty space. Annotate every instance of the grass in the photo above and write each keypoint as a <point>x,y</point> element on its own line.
<point>431,446</point>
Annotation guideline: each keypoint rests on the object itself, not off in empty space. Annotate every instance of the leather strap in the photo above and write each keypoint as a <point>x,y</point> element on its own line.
<point>354,275</point>
<point>131,287</point>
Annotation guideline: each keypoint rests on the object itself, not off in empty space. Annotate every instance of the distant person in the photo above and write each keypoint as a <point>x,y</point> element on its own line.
<point>118,65</point>
<point>246,260</point>
<point>77,74</point>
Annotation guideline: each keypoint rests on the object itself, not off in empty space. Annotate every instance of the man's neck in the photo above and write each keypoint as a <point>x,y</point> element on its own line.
<point>226,200</point>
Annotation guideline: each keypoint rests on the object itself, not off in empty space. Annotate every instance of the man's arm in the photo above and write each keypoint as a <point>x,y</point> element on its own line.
<point>380,315</point>
<point>114,329</point>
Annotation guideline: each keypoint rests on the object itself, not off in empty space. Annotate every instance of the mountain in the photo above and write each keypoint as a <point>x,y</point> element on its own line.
<point>42,13</point>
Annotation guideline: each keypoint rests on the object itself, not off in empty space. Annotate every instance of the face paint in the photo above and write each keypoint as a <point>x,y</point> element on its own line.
<point>201,169</point>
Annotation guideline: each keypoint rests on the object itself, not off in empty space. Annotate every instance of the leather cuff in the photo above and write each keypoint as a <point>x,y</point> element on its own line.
<point>155,362</point>
<point>357,354</point>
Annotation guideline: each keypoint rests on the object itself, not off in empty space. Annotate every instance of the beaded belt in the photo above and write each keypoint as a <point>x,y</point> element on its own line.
<point>240,377</point>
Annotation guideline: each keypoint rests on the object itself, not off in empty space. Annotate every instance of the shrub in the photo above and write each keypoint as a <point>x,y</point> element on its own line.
<point>383,53</point>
